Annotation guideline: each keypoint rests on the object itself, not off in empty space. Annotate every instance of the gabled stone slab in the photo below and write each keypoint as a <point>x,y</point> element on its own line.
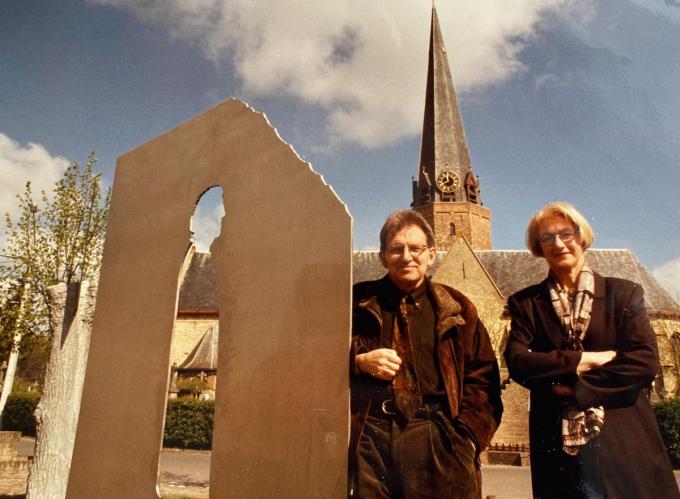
<point>283,265</point>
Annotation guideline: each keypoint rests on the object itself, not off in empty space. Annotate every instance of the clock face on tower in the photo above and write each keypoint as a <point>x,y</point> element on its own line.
<point>448,181</point>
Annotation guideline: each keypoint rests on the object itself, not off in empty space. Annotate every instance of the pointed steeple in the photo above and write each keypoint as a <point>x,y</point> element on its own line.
<point>446,191</point>
<point>445,168</point>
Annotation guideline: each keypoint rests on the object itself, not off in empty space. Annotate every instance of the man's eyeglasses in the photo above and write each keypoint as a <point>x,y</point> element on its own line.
<point>415,250</point>
<point>566,236</point>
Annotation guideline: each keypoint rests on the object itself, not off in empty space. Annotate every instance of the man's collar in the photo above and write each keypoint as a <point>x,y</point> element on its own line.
<point>392,294</point>
<point>447,308</point>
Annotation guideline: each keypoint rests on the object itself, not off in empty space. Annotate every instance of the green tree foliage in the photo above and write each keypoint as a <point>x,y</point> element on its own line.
<point>59,240</point>
<point>189,424</point>
<point>18,414</point>
<point>668,416</point>
<point>9,314</point>
<point>193,387</point>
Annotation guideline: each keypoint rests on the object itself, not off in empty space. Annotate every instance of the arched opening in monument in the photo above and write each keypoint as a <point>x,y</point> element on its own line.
<point>207,219</point>
<point>193,351</point>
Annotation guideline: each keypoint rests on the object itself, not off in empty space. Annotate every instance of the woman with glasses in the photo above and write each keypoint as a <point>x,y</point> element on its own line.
<point>583,345</point>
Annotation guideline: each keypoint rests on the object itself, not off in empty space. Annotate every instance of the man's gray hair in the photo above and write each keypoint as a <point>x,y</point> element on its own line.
<point>397,220</point>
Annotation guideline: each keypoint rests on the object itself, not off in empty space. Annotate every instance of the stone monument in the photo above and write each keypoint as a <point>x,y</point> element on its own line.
<point>283,265</point>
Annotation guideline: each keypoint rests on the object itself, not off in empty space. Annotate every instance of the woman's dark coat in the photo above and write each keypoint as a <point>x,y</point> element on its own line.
<point>628,459</point>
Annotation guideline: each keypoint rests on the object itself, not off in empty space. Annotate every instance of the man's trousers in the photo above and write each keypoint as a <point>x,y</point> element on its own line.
<point>425,458</point>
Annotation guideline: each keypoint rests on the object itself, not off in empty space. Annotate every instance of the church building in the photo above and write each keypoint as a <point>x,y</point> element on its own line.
<point>446,191</point>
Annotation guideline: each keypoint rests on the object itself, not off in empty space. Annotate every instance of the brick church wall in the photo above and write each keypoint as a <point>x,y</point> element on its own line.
<point>514,428</point>
<point>668,340</point>
<point>471,220</point>
<point>187,333</point>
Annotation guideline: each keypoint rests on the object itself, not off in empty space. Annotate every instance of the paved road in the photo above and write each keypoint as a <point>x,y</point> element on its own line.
<point>187,472</point>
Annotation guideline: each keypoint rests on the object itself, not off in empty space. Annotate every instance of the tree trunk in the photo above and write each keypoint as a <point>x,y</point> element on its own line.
<point>8,382</point>
<point>71,310</point>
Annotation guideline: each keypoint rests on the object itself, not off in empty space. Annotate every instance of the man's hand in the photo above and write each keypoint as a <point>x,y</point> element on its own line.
<point>590,360</point>
<point>382,363</point>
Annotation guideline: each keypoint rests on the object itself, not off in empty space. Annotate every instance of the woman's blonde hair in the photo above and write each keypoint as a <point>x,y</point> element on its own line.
<point>563,210</point>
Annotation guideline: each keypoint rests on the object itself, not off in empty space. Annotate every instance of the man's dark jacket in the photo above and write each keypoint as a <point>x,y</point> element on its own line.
<point>466,358</point>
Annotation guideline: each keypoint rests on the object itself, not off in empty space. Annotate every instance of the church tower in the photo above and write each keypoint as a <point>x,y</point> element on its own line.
<point>447,191</point>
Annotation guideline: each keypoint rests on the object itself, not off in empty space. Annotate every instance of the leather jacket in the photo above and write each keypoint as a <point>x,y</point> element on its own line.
<point>467,361</point>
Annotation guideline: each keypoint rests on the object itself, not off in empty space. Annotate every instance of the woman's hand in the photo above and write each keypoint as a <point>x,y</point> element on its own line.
<point>382,363</point>
<point>590,360</point>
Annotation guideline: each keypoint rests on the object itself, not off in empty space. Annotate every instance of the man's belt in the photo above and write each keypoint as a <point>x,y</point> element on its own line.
<point>428,410</point>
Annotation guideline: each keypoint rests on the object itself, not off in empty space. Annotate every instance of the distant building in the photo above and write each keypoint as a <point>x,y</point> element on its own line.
<point>447,193</point>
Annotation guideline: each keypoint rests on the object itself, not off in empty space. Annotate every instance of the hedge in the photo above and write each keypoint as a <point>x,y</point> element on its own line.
<point>18,413</point>
<point>189,423</point>
<point>668,416</point>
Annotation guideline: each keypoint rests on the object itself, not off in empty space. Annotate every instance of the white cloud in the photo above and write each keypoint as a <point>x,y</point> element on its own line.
<point>18,165</point>
<point>364,63</point>
<point>207,219</point>
<point>668,275</point>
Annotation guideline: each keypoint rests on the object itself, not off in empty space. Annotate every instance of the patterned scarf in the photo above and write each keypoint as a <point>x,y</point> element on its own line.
<point>573,309</point>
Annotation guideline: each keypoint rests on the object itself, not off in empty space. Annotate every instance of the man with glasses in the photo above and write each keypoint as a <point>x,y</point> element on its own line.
<point>424,378</point>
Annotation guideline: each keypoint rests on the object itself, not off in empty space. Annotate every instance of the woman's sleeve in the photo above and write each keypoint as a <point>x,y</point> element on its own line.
<point>535,369</point>
<point>617,383</point>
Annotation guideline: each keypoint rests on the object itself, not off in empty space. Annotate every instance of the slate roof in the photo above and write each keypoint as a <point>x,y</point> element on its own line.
<point>514,270</point>
<point>511,270</point>
<point>198,288</point>
<point>204,355</point>
<point>443,145</point>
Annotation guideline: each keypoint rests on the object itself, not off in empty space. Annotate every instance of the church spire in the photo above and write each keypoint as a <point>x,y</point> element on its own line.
<point>446,191</point>
<point>445,168</point>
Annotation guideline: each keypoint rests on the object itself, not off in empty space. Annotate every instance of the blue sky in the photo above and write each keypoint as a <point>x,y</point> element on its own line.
<point>571,100</point>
